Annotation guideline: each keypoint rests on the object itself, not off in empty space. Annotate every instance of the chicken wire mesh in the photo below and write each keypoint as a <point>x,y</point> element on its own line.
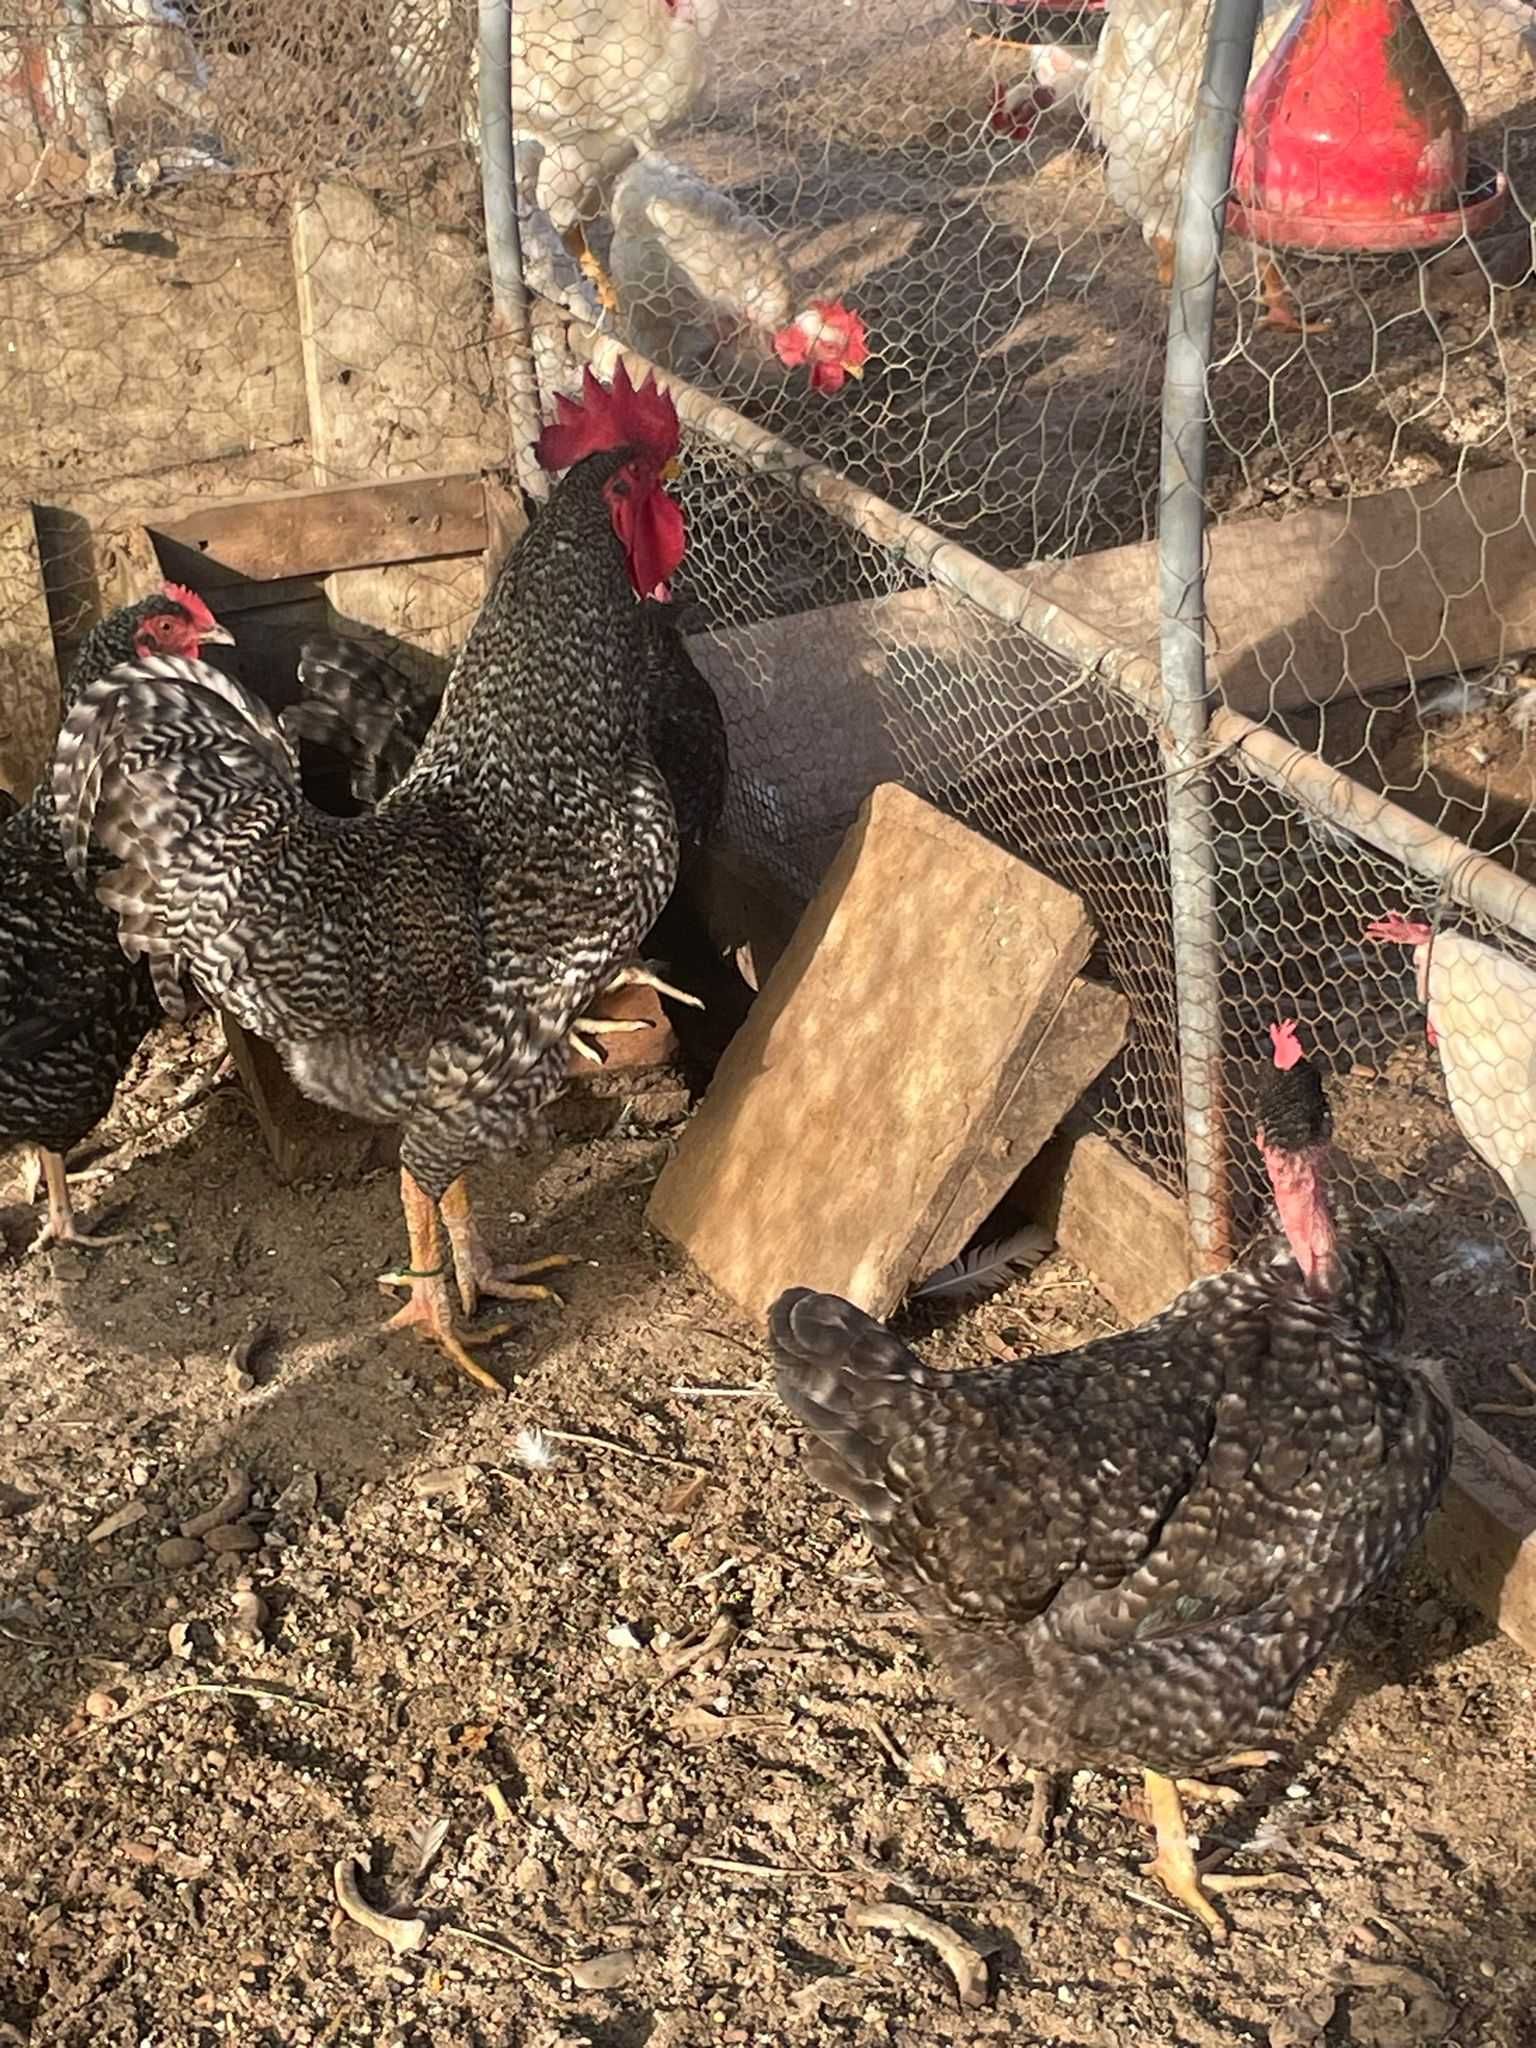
<point>213,219</point>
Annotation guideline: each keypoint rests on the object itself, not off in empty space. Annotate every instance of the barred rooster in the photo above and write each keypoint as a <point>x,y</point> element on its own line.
<point>73,1008</point>
<point>359,706</point>
<point>1131,1555</point>
<point>424,963</point>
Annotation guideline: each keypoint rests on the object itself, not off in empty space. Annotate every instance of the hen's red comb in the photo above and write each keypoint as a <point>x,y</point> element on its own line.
<point>1288,1050</point>
<point>191,604</point>
<point>620,416</point>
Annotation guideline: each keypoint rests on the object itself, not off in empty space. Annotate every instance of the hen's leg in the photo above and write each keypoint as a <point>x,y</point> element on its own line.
<point>1174,1864</point>
<point>1280,308</point>
<point>429,1308</point>
<point>477,1272</point>
<point>1163,250</point>
<point>62,1226</point>
<point>577,245</point>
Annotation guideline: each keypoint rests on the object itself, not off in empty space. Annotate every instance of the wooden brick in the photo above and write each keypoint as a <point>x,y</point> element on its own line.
<point>905,1014</point>
<point>1114,1220</point>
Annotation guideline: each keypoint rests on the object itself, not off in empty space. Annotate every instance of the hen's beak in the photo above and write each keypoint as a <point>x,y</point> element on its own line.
<point>672,472</point>
<point>217,636</point>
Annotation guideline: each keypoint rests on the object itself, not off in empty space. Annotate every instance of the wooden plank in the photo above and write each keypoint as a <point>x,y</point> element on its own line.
<point>29,676</point>
<point>1340,599</point>
<point>352,526</point>
<point>839,1045</point>
<point>1113,1219</point>
<point>1079,1043</point>
<point>1483,1540</point>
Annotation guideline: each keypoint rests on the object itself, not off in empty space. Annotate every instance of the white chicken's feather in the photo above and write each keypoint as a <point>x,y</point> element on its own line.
<point>596,81</point>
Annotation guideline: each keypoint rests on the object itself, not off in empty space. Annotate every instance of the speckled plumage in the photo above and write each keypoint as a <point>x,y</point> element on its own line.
<point>1132,1554</point>
<point>421,964</point>
<point>362,707</point>
<point>73,1008</point>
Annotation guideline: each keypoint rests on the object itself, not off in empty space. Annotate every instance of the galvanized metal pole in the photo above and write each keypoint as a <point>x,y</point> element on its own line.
<point>511,333</point>
<point>1181,575</point>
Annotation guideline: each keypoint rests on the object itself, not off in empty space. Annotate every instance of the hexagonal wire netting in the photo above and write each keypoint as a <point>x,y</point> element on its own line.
<point>992,208</point>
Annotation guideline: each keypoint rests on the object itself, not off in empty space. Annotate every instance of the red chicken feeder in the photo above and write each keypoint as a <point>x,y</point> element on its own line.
<point>1042,21</point>
<point>1354,140</point>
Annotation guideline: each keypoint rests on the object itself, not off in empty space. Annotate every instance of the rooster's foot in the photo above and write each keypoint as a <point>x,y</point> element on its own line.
<point>63,1226</point>
<point>475,1270</point>
<point>599,1027</point>
<point>640,976</point>
<point>1280,308</point>
<point>430,1311</point>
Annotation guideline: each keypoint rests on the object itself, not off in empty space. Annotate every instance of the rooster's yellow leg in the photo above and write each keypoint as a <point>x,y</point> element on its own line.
<point>474,1268</point>
<point>1163,250</point>
<point>577,245</point>
<point>429,1309</point>
<point>62,1226</point>
<point>1174,1864</point>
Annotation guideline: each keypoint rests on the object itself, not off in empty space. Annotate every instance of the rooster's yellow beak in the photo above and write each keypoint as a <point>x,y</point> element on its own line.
<point>672,472</point>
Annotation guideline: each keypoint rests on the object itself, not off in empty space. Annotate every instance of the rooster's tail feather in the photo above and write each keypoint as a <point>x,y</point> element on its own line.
<point>851,1383</point>
<point>364,709</point>
<point>153,760</point>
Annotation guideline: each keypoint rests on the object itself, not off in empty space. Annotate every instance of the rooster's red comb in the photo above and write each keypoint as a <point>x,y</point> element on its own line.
<point>1288,1052</point>
<point>620,416</point>
<point>191,604</point>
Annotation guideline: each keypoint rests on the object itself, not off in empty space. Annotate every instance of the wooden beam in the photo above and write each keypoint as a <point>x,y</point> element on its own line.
<point>1341,599</point>
<point>352,526</point>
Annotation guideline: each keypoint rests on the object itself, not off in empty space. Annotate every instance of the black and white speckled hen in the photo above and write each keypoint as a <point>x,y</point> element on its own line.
<point>1131,1555</point>
<point>424,963</point>
<point>73,1008</point>
<point>362,708</point>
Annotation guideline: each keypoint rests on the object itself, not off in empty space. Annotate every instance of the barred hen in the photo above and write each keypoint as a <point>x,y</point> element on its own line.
<point>1132,1554</point>
<point>73,1008</point>
<point>359,706</point>
<point>424,963</point>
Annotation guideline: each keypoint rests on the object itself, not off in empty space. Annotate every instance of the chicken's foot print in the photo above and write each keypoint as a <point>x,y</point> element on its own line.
<point>63,1226</point>
<point>475,1270</point>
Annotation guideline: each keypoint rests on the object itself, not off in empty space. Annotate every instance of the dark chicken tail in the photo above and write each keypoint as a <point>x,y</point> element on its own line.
<point>851,1383</point>
<point>155,760</point>
<point>363,708</point>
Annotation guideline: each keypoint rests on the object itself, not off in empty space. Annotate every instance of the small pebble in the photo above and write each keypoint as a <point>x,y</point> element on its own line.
<point>101,1706</point>
<point>605,1973</point>
<point>233,1536</point>
<point>176,1552</point>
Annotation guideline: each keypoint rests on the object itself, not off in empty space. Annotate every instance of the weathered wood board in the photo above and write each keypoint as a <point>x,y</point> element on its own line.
<point>843,1141</point>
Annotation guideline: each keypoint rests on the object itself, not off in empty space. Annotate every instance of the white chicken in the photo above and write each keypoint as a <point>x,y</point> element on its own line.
<point>593,83</point>
<point>697,279</point>
<point>1481,1012</point>
<point>1141,106</point>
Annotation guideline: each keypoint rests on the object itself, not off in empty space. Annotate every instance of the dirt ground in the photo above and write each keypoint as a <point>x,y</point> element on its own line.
<point>633,1684</point>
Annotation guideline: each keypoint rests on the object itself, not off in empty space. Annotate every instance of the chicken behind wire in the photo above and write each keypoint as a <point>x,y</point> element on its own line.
<point>1132,1554</point>
<point>74,1009</point>
<point>423,963</point>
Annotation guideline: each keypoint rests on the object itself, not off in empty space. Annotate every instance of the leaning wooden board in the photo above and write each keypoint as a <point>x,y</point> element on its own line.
<point>919,1038</point>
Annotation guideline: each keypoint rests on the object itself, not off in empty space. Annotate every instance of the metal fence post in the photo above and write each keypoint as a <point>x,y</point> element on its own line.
<point>511,332</point>
<point>1181,575</point>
